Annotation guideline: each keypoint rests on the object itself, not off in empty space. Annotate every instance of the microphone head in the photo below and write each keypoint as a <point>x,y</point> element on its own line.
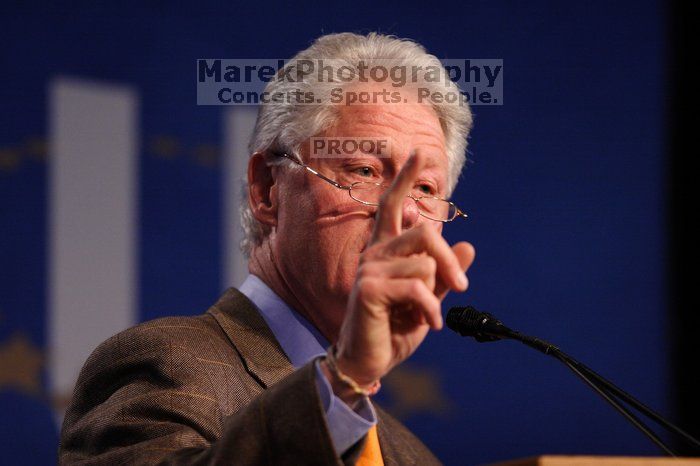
<point>469,322</point>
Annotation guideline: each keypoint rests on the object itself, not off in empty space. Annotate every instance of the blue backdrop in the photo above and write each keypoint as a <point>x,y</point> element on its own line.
<point>565,191</point>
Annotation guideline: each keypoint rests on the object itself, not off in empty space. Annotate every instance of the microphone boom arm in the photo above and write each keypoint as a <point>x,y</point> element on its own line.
<point>467,321</point>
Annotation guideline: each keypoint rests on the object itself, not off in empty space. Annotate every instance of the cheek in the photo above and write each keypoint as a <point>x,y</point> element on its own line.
<point>299,205</point>
<point>320,234</point>
<point>325,252</point>
<point>340,245</point>
<point>340,241</point>
<point>320,203</point>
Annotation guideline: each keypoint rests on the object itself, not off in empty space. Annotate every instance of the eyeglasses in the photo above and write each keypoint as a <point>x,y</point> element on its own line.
<point>369,193</point>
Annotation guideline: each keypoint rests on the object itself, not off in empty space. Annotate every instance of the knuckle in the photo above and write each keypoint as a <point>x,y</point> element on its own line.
<point>429,264</point>
<point>431,301</point>
<point>371,258</point>
<point>416,287</point>
<point>423,229</point>
<point>367,271</point>
<point>371,253</point>
<point>366,286</point>
<point>426,233</point>
<point>365,257</point>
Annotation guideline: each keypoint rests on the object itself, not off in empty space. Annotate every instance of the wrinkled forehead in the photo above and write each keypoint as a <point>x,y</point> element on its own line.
<point>392,120</point>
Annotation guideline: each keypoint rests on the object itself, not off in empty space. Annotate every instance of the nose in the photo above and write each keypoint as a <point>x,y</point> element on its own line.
<point>410,215</point>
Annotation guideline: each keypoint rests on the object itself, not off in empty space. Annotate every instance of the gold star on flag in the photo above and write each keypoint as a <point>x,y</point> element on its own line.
<point>412,389</point>
<point>20,364</point>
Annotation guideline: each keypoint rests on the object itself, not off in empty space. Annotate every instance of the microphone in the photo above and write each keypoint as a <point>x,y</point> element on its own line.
<point>482,326</point>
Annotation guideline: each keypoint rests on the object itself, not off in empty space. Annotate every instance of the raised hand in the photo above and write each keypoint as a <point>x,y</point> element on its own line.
<point>401,281</point>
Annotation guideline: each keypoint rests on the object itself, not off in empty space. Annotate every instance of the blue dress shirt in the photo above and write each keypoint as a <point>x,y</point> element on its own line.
<point>302,342</point>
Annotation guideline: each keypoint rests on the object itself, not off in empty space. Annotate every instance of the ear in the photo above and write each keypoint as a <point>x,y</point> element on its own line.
<point>262,192</point>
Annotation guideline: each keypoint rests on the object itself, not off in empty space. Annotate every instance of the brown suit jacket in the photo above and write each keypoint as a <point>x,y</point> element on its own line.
<point>211,389</point>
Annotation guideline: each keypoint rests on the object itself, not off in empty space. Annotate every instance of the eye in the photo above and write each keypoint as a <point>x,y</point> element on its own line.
<point>366,172</point>
<point>426,189</point>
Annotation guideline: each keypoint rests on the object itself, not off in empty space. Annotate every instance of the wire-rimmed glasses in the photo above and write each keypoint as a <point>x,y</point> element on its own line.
<point>369,193</point>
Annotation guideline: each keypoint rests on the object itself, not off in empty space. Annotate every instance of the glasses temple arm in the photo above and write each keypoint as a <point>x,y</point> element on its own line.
<point>323,177</point>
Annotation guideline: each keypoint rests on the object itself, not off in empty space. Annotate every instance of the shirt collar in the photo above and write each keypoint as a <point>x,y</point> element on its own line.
<point>299,339</point>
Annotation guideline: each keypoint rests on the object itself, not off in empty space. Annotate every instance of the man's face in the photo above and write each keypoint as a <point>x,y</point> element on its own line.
<point>321,231</point>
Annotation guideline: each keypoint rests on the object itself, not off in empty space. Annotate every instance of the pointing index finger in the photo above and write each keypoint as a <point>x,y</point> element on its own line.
<point>390,212</point>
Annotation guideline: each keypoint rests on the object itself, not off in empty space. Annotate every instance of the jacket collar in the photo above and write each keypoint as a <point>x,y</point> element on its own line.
<point>241,321</point>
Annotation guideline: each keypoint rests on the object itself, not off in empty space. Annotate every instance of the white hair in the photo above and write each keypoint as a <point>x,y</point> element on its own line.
<point>284,126</point>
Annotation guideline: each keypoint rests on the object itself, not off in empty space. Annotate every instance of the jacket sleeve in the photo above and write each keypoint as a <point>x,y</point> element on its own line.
<point>149,400</point>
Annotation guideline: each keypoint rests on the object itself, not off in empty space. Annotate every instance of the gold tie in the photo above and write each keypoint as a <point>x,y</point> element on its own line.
<point>372,454</point>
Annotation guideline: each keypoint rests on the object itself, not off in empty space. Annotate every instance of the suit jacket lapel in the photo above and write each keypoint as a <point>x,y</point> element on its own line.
<point>245,327</point>
<point>268,364</point>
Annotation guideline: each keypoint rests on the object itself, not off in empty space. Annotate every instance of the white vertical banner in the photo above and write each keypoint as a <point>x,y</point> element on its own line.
<point>239,123</point>
<point>93,216</point>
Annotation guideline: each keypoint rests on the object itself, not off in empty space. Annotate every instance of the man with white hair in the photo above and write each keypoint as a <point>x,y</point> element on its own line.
<point>348,269</point>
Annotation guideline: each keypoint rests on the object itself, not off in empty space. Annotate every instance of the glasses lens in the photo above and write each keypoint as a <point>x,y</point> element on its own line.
<point>366,192</point>
<point>436,209</point>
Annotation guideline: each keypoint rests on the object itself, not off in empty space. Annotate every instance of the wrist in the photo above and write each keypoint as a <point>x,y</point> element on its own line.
<point>346,366</point>
<point>340,389</point>
<point>346,384</point>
